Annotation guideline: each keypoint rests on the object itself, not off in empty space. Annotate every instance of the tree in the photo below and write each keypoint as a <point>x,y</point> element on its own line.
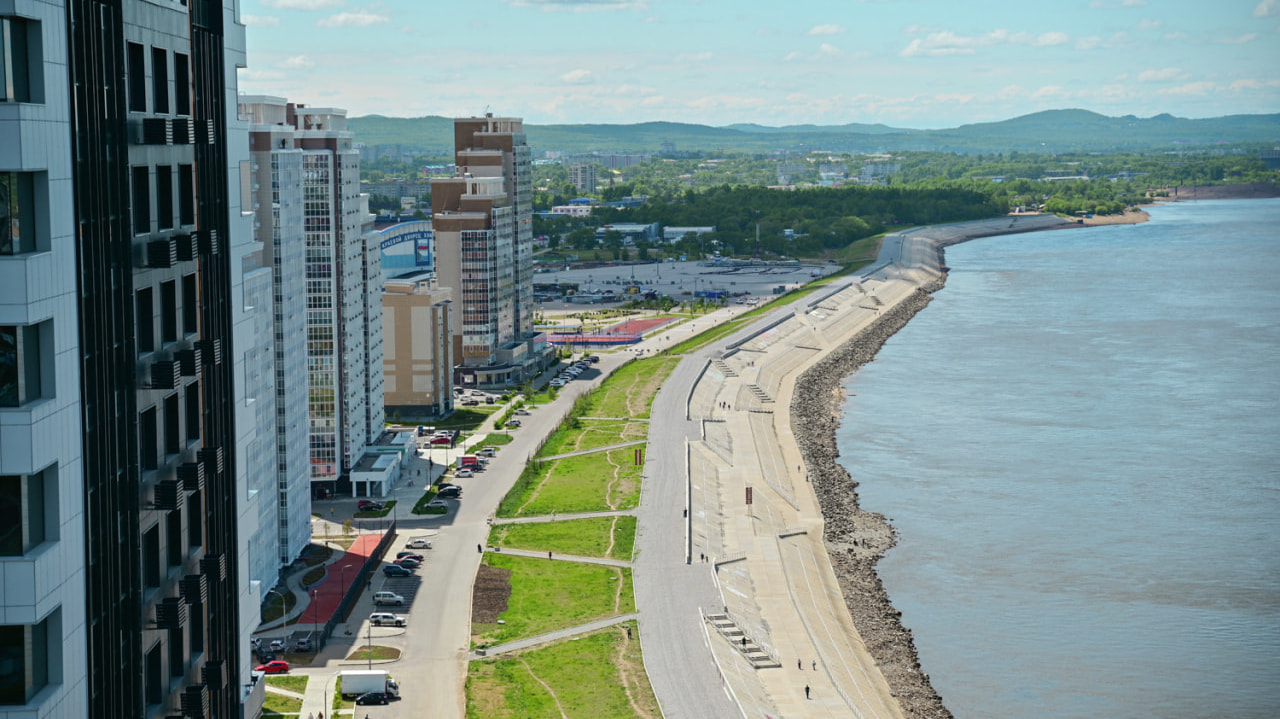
<point>583,238</point>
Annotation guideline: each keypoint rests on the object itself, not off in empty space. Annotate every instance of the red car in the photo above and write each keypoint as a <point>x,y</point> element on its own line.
<point>441,440</point>
<point>278,666</point>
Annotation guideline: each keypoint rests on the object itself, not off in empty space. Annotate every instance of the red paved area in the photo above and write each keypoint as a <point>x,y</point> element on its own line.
<point>625,332</point>
<point>329,592</point>
<point>638,326</point>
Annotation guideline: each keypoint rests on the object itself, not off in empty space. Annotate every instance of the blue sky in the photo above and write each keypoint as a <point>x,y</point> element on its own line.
<point>906,63</point>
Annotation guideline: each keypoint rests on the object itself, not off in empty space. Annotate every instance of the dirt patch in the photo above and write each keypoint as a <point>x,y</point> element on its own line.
<point>1247,191</point>
<point>491,593</point>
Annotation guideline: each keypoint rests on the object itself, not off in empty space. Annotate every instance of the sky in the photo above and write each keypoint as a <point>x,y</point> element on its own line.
<point>905,63</point>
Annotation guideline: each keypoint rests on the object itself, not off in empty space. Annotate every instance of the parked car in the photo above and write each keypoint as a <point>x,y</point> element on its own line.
<point>446,441</point>
<point>381,598</point>
<point>450,493</point>
<point>557,382</point>
<point>409,562</point>
<point>593,358</point>
<point>303,645</point>
<point>489,451</point>
<point>411,555</point>
<point>419,543</point>
<point>470,402</point>
<point>372,698</point>
<point>488,400</point>
<point>369,505</point>
<point>462,473</point>
<point>277,666</point>
<point>513,423</point>
<point>522,412</point>
<point>477,393</point>
<point>277,645</point>
<point>395,570</point>
<point>436,504</point>
<point>386,619</point>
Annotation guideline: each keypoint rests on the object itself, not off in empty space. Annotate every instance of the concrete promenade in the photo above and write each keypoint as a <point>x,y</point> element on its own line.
<point>703,549</point>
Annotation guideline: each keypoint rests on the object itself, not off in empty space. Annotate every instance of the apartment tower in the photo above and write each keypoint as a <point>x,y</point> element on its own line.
<point>120,289</point>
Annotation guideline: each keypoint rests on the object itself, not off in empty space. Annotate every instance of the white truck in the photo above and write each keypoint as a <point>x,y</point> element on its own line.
<point>362,681</point>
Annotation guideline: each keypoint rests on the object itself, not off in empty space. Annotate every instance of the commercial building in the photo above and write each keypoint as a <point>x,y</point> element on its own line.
<point>126,271</point>
<point>674,234</point>
<point>632,232</point>
<point>417,346</point>
<point>482,221</point>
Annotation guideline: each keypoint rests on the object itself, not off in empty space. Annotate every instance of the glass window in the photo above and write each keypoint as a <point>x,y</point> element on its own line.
<point>137,59</point>
<point>141,200</point>
<point>181,86</point>
<point>160,79</point>
<point>24,661</point>
<point>17,215</point>
<point>146,322</point>
<point>186,195</point>
<point>20,363</point>
<point>18,64</point>
<point>164,197</point>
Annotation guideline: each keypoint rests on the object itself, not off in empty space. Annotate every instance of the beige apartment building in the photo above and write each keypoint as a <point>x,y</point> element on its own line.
<point>417,346</point>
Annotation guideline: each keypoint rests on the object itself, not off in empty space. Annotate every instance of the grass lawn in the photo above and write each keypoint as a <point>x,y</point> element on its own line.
<point>495,439</point>
<point>421,506</point>
<point>272,608</point>
<point>295,684</point>
<point>587,483</point>
<point>379,652</point>
<point>374,514</point>
<point>596,675</point>
<point>583,434</point>
<point>465,418</point>
<point>312,576</point>
<point>608,537</point>
<point>547,595</point>
<point>630,390</point>
<point>280,705</point>
<point>702,339</point>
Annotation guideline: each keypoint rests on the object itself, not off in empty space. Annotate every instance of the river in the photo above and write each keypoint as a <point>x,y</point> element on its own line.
<point>1078,443</point>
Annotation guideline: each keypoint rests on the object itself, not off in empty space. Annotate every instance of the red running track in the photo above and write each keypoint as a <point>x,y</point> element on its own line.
<point>329,592</point>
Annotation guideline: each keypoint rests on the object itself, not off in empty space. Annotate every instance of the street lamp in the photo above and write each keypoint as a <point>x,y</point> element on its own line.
<point>282,609</point>
<point>315,611</point>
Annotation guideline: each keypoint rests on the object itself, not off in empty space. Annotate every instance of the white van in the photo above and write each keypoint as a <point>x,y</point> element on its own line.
<point>386,619</point>
<point>387,598</point>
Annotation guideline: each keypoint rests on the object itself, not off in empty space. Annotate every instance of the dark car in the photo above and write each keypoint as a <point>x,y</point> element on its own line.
<point>366,505</point>
<point>450,492</point>
<point>372,698</point>
<point>411,555</point>
<point>395,570</point>
<point>409,562</point>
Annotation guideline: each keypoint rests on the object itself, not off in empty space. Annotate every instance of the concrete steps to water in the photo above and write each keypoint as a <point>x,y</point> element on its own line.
<point>759,393</point>
<point>753,653</point>
<point>724,368</point>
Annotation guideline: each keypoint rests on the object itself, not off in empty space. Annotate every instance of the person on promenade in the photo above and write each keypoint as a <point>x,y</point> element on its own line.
<point>799,664</point>
<point>806,691</point>
<point>815,665</point>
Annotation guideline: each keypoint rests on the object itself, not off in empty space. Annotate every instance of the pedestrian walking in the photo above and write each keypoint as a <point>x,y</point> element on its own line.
<point>744,640</point>
<point>815,665</point>
<point>799,664</point>
<point>548,555</point>
<point>628,632</point>
<point>806,691</point>
<point>479,549</point>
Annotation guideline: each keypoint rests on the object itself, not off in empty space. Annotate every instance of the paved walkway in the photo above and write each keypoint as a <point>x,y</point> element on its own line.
<point>564,517</point>
<point>562,557</point>
<point>594,450</point>
<point>519,644</point>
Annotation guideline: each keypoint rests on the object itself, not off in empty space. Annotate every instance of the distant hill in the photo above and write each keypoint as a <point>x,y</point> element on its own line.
<point>1048,131</point>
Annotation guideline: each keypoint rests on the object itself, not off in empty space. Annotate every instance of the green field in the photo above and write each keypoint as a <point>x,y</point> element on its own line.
<point>630,390</point>
<point>599,675</point>
<point>594,482</point>
<point>295,684</point>
<point>548,595</point>
<point>607,537</point>
<point>583,434</point>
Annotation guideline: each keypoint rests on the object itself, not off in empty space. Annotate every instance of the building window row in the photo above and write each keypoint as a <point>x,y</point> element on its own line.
<point>136,57</point>
<point>21,60</point>
<point>23,201</point>
<point>26,363</point>
<point>29,658</point>
<point>164,196</point>
<point>28,511</point>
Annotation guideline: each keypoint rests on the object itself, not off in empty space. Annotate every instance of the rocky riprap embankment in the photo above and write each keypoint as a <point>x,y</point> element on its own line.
<point>855,538</point>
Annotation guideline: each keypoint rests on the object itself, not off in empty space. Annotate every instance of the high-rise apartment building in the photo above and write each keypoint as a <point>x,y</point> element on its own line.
<point>340,290</point>
<point>583,176</point>
<point>418,346</point>
<point>123,277</point>
<point>483,222</point>
<point>278,226</point>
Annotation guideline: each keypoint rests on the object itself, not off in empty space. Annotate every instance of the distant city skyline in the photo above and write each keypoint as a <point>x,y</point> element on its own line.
<point>907,63</point>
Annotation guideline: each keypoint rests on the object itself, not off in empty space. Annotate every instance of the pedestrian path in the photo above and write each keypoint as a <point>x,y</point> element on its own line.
<point>565,517</point>
<point>519,644</point>
<point>593,450</point>
<point>562,557</point>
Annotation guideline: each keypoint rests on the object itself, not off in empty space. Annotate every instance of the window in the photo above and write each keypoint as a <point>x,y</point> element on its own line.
<point>28,505</point>
<point>173,536</point>
<point>172,425</point>
<point>160,79</point>
<point>137,59</point>
<point>181,86</point>
<point>24,659</point>
<point>21,62</point>
<point>193,411</point>
<point>141,200</point>
<point>154,678</point>
<point>151,557</point>
<point>17,213</point>
<point>147,441</point>
<point>195,526</point>
<point>146,321</point>
<point>186,195</point>
<point>26,363</point>
<point>190,310</point>
<point>164,197</point>
<point>169,311</point>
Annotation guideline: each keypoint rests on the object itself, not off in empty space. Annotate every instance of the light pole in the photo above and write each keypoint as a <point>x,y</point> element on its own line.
<point>315,612</point>
<point>282,610</point>
<point>369,646</point>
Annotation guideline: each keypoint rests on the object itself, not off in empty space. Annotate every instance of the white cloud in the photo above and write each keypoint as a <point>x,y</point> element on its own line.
<point>829,50</point>
<point>1203,87</point>
<point>302,4</point>
<point>1175,35</point>
<point>1149,24</point>
<point>826,30</point>
<point>359,18</point>
<point>1048,92</point>
<point>694,56</point>
<point>298,62</point>
<point>578,77</point>
<point>1168,73</point>
<point>580,5</point>
<point>1247,37</point>
<point>260,20</point>
<point>1010,91</point>
<point>1088,43</point>
<point>1267,8</point>
<point>1252,84</point>
<point>961,98</point>
<point>944,43</point>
